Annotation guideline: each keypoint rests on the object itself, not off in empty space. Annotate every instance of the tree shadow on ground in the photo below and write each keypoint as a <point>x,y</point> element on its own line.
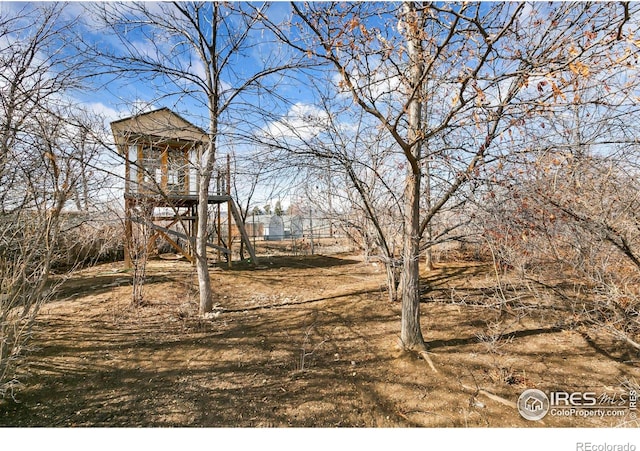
<point>277,262</point>
<point>443,276</point>
<point>128,375</point>
<point>104,283</point>
<point>321,360</point>
<point>507,336</point>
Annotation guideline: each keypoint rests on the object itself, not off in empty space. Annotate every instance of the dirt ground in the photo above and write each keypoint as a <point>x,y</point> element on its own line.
<point>301,341</point>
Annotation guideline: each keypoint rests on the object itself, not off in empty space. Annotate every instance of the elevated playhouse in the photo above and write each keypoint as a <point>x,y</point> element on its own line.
<point>162,151</point>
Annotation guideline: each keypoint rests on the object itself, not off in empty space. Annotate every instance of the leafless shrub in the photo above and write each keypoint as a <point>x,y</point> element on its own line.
<point>572,221</point>
<point>47,147</point>
<point>308,349</point>
<point>25,285</point>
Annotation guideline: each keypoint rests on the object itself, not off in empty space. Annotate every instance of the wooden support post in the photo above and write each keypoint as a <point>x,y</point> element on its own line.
<point>164,168</point>
<point>219,230</point>
<point>176,246</point>
<point>174,233</point>
<point>152,243</point>
<point>243,232</point>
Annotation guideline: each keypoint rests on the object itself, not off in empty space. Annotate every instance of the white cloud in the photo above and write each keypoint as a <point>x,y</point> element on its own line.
<point>303,121</point>
<point>108,113</point>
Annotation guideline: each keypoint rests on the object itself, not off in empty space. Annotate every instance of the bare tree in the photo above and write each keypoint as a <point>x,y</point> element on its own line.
<point>345,167</point>
<point>45,150</point>
<point>194,50</point>
<point>569,204</point>
<point>448,83</point>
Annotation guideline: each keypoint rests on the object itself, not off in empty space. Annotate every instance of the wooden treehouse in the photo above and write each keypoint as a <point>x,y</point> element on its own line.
<point>161,151</point>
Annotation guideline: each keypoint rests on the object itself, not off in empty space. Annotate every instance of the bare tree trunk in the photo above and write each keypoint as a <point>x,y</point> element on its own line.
<point>138,250</point>
<point>202,266</point>
<point>411,334</point>
<point>393,279</point>
<point>206,170</point>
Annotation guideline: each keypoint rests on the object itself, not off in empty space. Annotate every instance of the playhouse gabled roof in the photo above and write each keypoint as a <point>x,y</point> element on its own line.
<point>162,125</point>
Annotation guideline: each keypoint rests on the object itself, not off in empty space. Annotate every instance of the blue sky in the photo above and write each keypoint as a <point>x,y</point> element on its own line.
<point>115,96</point>
<point>120,95</point>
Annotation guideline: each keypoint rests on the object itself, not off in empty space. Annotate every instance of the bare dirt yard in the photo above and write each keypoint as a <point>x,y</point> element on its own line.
<point>305,341</point>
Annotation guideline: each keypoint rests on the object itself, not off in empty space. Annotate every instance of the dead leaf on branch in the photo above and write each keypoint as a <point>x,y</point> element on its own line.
<point>557,92</point>
<point>579,68</point>
<point>353,24</point>
<point>481,98</point>
<point>541,86</point>
<point>573,51</point>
